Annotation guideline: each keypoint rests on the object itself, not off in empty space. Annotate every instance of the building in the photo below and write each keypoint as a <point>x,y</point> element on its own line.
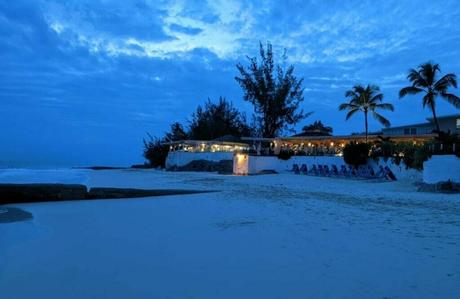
<point>446,123</point>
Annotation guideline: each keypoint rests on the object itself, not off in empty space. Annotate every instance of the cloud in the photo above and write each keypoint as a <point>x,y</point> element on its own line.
<point>103,73</point>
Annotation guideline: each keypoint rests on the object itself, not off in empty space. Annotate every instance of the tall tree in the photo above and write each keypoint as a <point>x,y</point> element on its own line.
<point>177,133</point>
<point>216,120</point>
<point>424,80</point>
<point>274,91</point>
<point>366,99</point>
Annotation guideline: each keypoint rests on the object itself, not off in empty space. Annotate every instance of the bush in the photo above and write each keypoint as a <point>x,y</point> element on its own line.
<point>155,152</point>
<point>413,155</point>
<point>355,153</point>
<point>422,154</point>
<point>285,154</point>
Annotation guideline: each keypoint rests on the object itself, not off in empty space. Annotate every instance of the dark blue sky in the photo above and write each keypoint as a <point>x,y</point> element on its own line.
<point>81,82</point>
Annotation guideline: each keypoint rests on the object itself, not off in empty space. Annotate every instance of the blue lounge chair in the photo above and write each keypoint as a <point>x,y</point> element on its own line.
<point>304,169</point>
<point>295,169</point>
<point>334,170</point>
<point>314,170</point>
<point>326,170</point>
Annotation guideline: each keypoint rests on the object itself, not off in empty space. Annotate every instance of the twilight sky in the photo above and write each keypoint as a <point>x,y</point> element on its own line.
<point>83,81</point>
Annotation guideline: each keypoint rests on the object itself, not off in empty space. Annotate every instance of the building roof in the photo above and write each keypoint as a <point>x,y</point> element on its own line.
<point>456,115</point>
<point>425,124</point>
<point>198,142</point>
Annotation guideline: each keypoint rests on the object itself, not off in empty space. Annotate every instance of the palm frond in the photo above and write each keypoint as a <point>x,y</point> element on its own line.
<point>385,106</point>
<point>350,94</point>
<point>416,78</point>
<point>448,80</point>
<point>351,113</point>
<point>346,106</point>
<point>451,98</point>
<point>429,70</point>
<point>409,90</point>
<point>377,98</point>
<point>381,119</point>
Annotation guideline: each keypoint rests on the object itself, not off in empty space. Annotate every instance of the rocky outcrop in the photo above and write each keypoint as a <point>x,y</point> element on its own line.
<point>16,193</point>
<point>112,193</point>
<point>8,215</point>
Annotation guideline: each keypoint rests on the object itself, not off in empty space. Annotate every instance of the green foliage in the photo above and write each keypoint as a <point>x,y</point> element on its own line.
<point>285,154</point>
<point>412,155</point>
<point>367,100</point>
<point>275,92</point>
<point>177,133</point>
<point>316,129</point>
<point>216,120</point>
<point>155,152</point>
<point>424,81</point>
<point>450,144</point>
<point>356,153</point>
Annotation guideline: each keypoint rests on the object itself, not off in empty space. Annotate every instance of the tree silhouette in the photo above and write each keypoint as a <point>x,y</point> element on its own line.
<point>424,80</point>
<point>366,99</point>
<point>274,91</point>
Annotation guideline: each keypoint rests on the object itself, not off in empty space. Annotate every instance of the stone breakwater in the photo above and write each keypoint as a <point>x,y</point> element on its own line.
<point>26,193</point>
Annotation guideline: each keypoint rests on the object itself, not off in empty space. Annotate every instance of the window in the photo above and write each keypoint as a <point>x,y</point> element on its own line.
<point>413,131</point>
<point>407,131</point>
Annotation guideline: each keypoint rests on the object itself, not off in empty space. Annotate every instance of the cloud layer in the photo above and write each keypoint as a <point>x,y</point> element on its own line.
<point>81,82</point>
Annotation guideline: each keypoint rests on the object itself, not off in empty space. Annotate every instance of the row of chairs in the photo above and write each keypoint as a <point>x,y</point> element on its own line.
<point>364,172</point>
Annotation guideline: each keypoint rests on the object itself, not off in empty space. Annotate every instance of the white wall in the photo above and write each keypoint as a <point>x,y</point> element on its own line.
<point>257,164</point>
<point>260,163</point>
<point>400,171</point>
<point>183,158</point>
<point>441,169</point>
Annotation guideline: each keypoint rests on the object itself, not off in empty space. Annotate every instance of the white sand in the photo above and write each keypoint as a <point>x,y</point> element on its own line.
<point>272,236</point>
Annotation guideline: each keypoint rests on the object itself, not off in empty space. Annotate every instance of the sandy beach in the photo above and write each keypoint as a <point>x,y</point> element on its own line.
<point>267,236</point>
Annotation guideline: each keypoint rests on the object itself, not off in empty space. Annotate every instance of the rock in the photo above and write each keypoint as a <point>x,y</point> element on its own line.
<point>8,215</point>
<point>19,193</point>
<point>441,187</point>
<point>108,193</point>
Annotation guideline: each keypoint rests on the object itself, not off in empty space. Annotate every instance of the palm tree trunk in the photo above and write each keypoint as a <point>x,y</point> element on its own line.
<point>365,123</point>
<point>435,119</point>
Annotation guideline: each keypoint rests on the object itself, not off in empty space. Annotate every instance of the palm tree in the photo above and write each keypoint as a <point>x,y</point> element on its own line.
<point>366,99</point>
<point>424,81</point>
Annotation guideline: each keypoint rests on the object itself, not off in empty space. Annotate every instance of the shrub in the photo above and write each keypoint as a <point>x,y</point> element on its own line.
<point>421,154</point>
<point>285,154</point>
<point>355,153</point>
<point>413,155</point>
<point>155,152</point>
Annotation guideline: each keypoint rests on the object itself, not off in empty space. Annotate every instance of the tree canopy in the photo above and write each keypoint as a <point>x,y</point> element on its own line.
<point>215,120</point>
<point>367,100</point>
<point>317,128</point>
<point>275,92</point>
<point>424,80</point>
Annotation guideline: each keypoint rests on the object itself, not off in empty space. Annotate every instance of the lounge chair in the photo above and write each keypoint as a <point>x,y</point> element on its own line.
<point>314,170</point>
<point>334,170</point>
<point>295,169</point>
<point>304,169</point>
<point>343,171</point>
<point>389,174</point>
<point>320,169</point>
<point>326,170</point>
